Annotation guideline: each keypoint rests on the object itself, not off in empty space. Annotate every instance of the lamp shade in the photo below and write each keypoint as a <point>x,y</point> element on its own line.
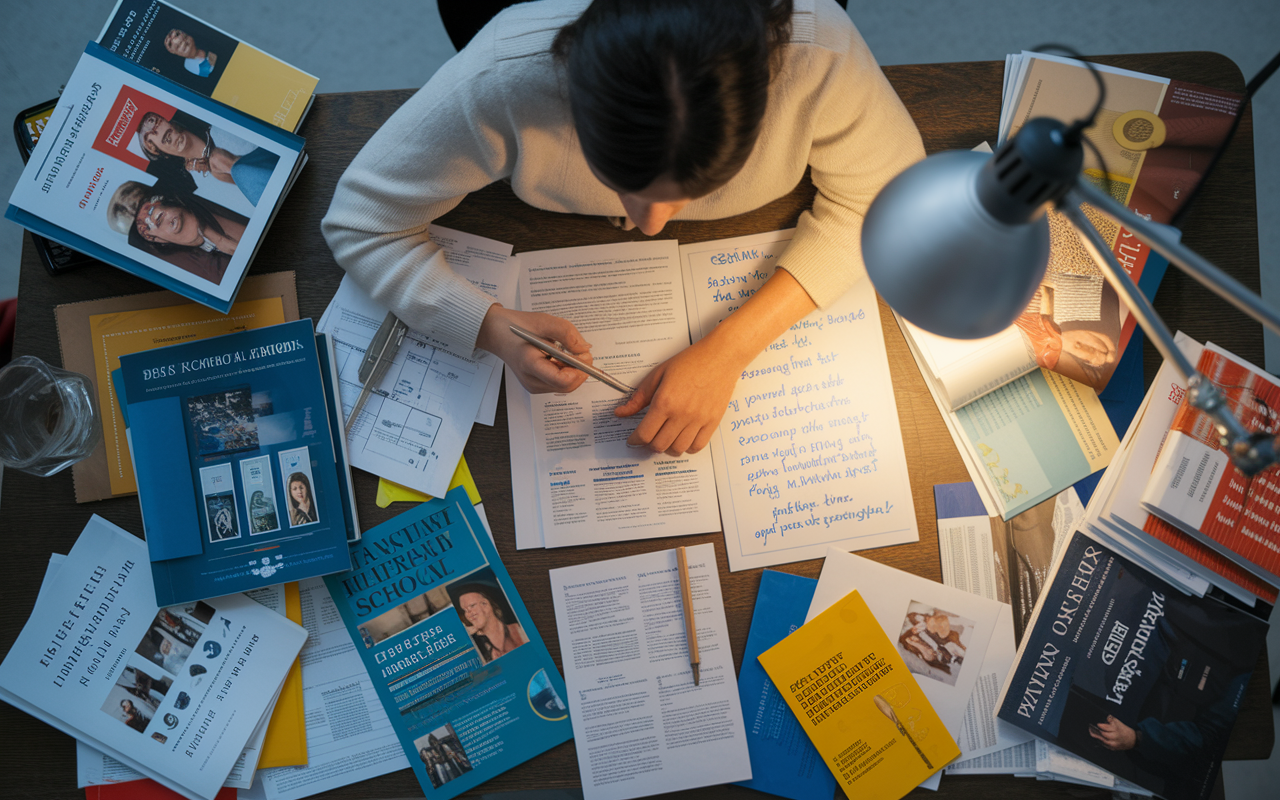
<point>941,259</point>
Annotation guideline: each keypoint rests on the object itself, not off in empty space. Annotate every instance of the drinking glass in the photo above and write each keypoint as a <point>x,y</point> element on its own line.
<point>48,418</point>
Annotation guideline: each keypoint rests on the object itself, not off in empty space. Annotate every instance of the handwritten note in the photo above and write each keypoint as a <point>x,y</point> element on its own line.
<point>809,454</point>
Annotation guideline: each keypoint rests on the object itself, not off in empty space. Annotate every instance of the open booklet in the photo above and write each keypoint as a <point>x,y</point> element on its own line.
<point>175,693</point>
<point>809,453</point>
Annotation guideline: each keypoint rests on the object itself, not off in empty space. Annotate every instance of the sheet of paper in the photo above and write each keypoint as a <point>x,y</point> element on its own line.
<point>414,426</point>
<point>349,737</point>
<point>1013,761</point>
<point>809,454</point>
<point>520,440</point>
<point>942,633</point>
<point>640,724</point>
<point>626,299</point>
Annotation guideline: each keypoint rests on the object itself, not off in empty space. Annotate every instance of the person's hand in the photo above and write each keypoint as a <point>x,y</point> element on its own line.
<point>1093,349</point>
<point>537,372</point>
<point>687,395</point>
<point>1114,734</point>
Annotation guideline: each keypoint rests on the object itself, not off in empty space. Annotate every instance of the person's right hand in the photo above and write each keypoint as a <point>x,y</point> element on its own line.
<point>537,372</point>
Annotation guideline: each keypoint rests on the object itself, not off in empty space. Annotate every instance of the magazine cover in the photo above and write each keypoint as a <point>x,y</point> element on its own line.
<point>461,671</point>
<point>1122,669</point>
<point>151,178</point>
<point>194,54</point>
<point>258,495</point>
<point>174,692</point>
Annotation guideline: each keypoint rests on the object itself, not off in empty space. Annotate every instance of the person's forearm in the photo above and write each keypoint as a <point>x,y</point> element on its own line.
<point>767,314</point>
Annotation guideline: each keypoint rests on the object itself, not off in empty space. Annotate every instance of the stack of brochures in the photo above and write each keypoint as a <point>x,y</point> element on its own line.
<point>168,154</point>
<point>1023,405</point>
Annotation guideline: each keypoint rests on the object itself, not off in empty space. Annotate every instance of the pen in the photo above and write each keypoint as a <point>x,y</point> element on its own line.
<point>690,629</point>
<point>377,358</point>
<point>561,355</point>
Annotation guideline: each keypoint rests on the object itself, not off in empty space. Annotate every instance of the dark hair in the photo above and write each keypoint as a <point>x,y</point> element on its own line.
<point>191,203</point>
<point>671,87</point>
<point>490,593</point>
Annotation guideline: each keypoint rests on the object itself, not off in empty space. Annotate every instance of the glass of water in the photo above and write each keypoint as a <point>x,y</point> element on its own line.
<point>48,418</point>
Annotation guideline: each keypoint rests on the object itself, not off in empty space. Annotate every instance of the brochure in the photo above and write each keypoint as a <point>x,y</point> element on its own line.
<point>193,53</point>
<point>152,178</point>
<point>241,479</point>
<point>1120,668</point>
<point>174,693</point>
<point>463,675</point>
<point>857,701</point>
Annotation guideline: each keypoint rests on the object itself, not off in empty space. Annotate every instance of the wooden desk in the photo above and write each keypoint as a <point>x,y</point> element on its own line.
<point>955,106</point>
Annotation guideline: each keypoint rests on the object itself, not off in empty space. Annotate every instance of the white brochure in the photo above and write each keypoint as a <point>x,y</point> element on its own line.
<point>589,486</point>
<point>349,737</point>
<point>943,634</point>
<point>640,724</point>
<point>174,693</point>
<point>809,454</point>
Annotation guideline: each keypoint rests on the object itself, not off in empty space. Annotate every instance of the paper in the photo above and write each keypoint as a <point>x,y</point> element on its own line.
<point>641,726</point>
<point>783,759</point>
<point>856,700</point>
<point>173,692</point>
<point>587,484</point>
<point>389,492</point>
<point>941,633</point>
<point>349,737</point>
<point>809,454</point>
<point>414,425</point>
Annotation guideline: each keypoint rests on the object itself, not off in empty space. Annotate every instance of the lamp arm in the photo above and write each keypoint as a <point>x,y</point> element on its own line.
<point>1190,262</point>
<point>1250,452</point>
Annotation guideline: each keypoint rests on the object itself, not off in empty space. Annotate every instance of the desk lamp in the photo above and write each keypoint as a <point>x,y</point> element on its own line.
<point>958,243</point>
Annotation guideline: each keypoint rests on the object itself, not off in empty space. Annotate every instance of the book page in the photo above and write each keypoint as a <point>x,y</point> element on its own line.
<point>809,454</point>
<point>641,725</point>
<point>626,300</point>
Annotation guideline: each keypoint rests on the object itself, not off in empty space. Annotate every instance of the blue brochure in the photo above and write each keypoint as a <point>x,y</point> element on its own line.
<point>783,759</point>
<point>233,445</point>
<point>465,679</point>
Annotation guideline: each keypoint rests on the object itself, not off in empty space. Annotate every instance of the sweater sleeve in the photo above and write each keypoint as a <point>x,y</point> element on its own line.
<point>863,137</point>
<point>451,138</point>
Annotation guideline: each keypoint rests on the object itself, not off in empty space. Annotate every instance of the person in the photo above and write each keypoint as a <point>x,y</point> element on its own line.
<point>191,145</point>
<point>194,60</point>
<point>646,110</point>
<point>1082,355</point>
<point>184,230</point>
<point>133,717</point>
<point>481,609</point>
<point>302,509</point>
<point>171,655</point>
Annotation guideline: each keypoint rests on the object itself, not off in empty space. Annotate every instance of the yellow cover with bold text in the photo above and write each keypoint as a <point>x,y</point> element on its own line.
<point>853,695</point>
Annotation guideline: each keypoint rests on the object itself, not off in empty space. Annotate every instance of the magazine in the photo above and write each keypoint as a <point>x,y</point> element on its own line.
<point>240,464</point>
<point>1120,668</point>
<point>191,52</point>
<point>152,178</point>
<point>173,692</point>
<point>463,675</point>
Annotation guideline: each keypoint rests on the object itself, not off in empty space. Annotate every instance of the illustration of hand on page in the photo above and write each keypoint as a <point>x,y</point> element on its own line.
<point>888,711</point>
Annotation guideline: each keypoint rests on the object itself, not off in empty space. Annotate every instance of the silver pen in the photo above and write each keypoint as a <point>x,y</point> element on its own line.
<point>377,359</point>
<point>576,363</point>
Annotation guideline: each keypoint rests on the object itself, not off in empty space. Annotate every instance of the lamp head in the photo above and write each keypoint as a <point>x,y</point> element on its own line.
<point>958,243</point>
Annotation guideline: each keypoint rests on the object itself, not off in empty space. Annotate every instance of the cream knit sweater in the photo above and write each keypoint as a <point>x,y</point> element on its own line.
<point>498,110</point>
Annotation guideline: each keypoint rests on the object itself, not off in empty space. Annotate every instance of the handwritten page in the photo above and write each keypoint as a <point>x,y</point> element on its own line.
<point>641,725</point>
<point>589,485</point>
<point>809,454</point>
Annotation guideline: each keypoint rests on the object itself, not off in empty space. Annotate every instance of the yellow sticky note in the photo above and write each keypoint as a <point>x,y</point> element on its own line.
<point>285,744</point>
<point>389,492</point>
<point>858,703</point>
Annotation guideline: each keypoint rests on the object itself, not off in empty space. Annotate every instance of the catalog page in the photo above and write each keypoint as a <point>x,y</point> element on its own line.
<point>172,692</point>
<point>809,454</point>
<point>640,723</point>
<point>626,300</point>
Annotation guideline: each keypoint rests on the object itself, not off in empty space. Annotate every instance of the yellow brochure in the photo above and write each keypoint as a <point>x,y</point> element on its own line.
<point>853,695</point>
<point>285,744</point>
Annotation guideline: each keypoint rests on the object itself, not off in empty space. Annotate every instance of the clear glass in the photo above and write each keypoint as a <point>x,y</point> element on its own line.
<point>48,418</point>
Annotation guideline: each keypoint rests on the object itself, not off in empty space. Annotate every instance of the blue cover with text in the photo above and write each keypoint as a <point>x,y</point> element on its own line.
<point>233,448</point>
<point>463,675</point>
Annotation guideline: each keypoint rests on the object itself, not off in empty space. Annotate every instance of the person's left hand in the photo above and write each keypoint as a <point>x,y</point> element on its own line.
<point>687,395</point>
<point>1114,734</point>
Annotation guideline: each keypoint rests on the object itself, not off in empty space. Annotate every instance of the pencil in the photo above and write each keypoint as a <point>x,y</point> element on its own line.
<point>690,629</point>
